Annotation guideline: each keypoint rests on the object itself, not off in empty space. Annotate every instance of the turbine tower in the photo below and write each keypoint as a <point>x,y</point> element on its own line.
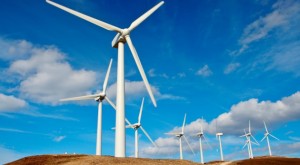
<point>180,135</point>
<point>136,126</point>
<point>248,141</point>
<point>218,136</point>
<point>99,98</point>
<point>123,36</point>
<point>267,134</point>
<point>201,136</point>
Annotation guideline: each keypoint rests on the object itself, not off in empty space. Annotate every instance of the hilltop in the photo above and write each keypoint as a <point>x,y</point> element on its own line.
<point>94,160</point>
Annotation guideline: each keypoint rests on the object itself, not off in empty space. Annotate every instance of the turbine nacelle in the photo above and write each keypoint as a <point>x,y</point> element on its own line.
<point>219,134</point>
<point>179,135</point>
<point>101,97</point>
<point>136,125</point>
<point>200,134</point>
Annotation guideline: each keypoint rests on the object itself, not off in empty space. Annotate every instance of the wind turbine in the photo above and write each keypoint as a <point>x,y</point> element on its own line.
<point>218,136</point>
<point>180,135</point>
<point>99,98</point>
<point>267,134</point>
<point>248,141</point>
<point>136,126</point>
<point>201,136</point>
<point>123,36</point>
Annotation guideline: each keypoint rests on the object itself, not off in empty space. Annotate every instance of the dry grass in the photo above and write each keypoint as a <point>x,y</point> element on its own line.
<point>103,160</point>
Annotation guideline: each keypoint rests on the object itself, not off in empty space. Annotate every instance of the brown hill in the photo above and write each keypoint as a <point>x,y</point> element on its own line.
<point>103,160</point>
<point>92,159</point>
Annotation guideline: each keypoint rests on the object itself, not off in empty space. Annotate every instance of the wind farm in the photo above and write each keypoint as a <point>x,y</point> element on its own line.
<point>59,61</point>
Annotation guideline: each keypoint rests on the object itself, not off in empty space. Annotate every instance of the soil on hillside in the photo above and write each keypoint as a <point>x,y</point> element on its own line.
<point>103,160</point>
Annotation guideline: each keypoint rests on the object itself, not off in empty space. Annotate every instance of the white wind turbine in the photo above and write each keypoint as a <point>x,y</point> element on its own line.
<point>99,98</point>
<point>136,126</point>
<point>123,36</point>
<point>201,136</point>
<point>180,135</point>
<point>218,136</point>
<point>267,134</point>
<point>248,141</point>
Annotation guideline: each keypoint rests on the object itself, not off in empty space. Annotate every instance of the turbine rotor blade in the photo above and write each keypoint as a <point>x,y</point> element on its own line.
<point>255,139</point>
<point>266,127</point>
<point>148,136</point>
<point>138,21</point>
<point>114,106</point>
<point>87,18</point>
<point>255,143</point>
<point>172,133</point>
<point>110,102</point>
<point>129,126</point>
<point>201,125</point>
<point>245,144</point>
<point>87,97</point>
<point>207,142</point>
<point>141,111</point>
<point>274,137</point>
<point>183,124</point>
<point>106,77</point>
<point>188,144</point>
<point>249,127</point>
<point>140,67</point>
<point>264,138</point>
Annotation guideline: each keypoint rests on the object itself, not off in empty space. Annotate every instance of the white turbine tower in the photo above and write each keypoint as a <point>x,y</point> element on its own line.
<point>248,141</point>
<point>136,126</point>
<point>180,135</point>
<point>267,134</point>
<point>99,98</point>
<point>123,36</point>
<point>218,136</point>
<point>201,136</point>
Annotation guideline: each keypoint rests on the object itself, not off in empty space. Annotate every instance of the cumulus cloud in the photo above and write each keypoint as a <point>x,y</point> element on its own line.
<point>204,71</point>
<point>233,122</point>
<point>11,103</point>
<point>231,67</point>
<point>14,49</point>
<point>282,17</point>
<point>47,77</point>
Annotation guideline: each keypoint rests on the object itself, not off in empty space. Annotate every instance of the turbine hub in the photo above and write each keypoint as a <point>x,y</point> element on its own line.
<point>125,32</point>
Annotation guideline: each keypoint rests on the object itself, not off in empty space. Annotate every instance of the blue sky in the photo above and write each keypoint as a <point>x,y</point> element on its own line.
<point>228,61</point>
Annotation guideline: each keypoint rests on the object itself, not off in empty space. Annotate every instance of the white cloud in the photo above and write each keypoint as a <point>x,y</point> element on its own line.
<point>274,113</point>
<point>8,155</point>
<point>47,77</point>
<point>59,138</point>
<point>231,67</point>
<point>14,49</point>
<point>283,17</point>
<point>204,71</point>
<point>284,58</point>
<point>233,122</point>
<point>11,103</point>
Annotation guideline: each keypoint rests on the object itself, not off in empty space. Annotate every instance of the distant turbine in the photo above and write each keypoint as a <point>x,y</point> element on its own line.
<point>218,135</point>
<point>201,136</point>
<point>136,126</point>
<point>248,141</point>
<point>179,135</point>
<point>99,98</point>
<point>123,36</point>
<point>267,134</point>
